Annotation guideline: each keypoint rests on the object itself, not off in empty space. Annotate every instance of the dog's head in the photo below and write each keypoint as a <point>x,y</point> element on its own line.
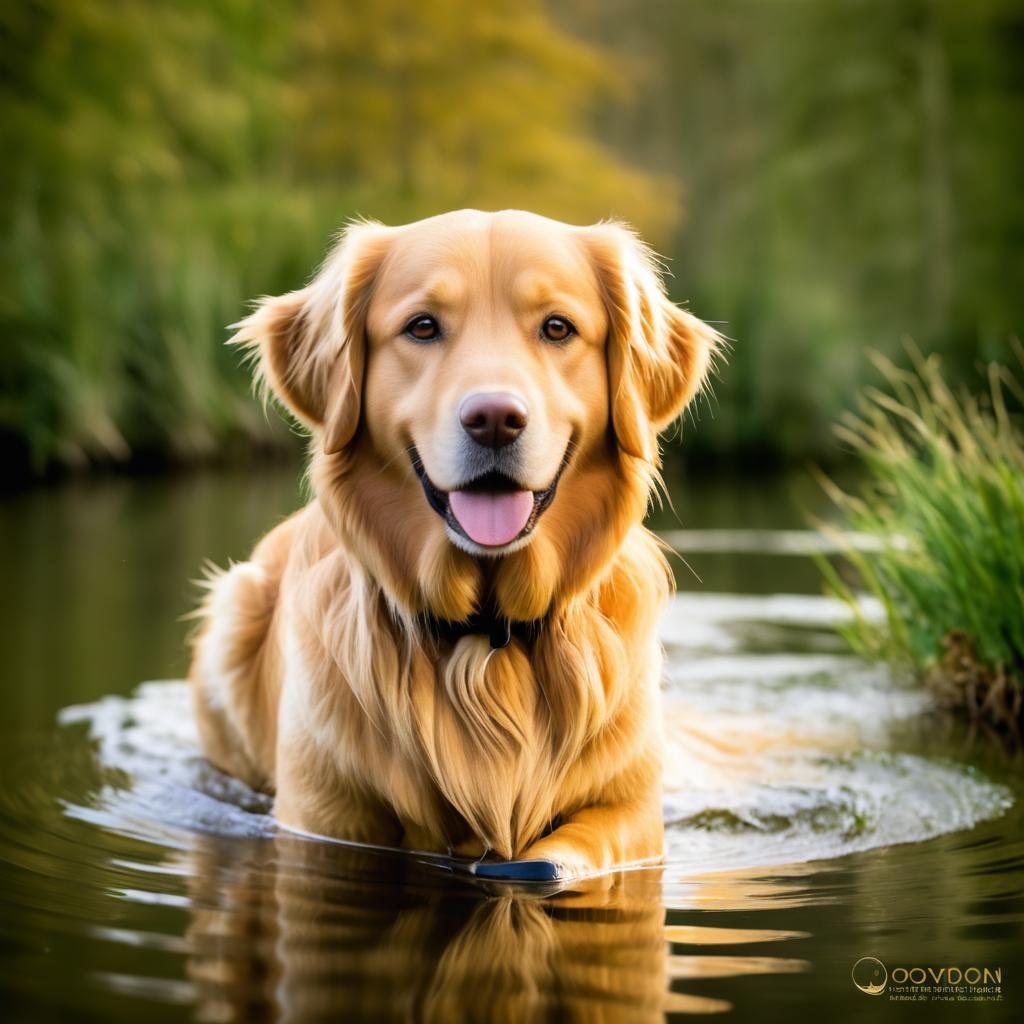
<point>484,392</point>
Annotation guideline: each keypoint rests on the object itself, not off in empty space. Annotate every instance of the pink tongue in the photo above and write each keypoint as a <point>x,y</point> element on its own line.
<point>492,518</point>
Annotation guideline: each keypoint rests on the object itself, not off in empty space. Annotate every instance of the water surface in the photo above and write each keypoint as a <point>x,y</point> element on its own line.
<point>818,811</point>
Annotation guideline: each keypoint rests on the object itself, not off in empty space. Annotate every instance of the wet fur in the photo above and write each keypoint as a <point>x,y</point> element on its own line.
<point>312,677</point>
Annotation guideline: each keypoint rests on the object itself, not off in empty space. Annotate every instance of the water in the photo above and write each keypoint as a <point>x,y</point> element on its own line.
<point>818,810</point>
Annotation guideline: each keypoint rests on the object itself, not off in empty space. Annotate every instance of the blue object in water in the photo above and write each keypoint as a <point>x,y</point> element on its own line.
<point>519,871</point>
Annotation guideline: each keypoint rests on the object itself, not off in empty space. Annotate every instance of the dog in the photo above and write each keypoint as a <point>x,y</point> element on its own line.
<point>453,646</point>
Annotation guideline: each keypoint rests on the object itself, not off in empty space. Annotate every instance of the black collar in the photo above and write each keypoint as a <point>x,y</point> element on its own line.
<point>486,621</point>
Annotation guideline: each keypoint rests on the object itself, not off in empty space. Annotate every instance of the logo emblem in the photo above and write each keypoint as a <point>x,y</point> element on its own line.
<point>869,975</point>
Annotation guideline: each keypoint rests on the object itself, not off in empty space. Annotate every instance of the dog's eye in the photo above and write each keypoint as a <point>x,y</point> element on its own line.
<point>557,329</point>
<point>423,328</point>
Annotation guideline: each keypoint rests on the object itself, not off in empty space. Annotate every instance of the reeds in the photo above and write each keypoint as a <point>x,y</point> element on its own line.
<point>943,491</point>
<point>122,351</point>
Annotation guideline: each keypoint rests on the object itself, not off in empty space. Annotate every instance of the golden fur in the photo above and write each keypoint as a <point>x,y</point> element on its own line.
<point>313,676</point>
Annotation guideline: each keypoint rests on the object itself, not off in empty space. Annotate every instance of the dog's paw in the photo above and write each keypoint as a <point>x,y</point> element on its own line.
<point>519,871</point>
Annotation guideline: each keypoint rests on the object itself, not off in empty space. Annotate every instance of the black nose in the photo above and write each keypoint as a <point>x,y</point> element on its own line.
<point>493,418</point>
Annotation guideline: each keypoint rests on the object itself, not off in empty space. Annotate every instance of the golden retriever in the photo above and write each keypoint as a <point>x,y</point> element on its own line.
<point>453,646</point>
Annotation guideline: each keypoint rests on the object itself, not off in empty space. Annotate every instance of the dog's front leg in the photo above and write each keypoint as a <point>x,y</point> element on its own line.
<point>313,796</point>
<point>591,841</point>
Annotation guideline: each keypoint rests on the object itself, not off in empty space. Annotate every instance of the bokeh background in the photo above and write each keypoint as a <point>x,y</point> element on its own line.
<point>824,178</point>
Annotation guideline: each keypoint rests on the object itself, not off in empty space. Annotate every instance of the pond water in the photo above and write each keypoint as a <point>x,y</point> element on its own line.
<point>819,812</point>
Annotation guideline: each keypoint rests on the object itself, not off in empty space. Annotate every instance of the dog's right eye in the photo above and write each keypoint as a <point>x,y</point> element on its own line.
<point>423,328</point>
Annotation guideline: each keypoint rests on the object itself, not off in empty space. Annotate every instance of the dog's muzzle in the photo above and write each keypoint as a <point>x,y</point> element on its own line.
<point>492,510</point>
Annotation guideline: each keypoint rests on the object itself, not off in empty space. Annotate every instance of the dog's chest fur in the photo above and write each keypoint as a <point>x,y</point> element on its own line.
<point>464,742</point>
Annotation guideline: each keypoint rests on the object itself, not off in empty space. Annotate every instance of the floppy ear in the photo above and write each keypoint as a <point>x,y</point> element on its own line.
<point>658,354</point>
<point>311,344</point>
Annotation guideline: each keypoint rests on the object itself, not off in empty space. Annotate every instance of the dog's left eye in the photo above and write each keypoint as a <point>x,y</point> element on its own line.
<point>423,328</point>
<point>557,328</point>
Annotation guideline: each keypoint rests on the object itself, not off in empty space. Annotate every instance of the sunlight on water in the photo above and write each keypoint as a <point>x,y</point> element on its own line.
<point>816,810</point>
<point>791,754</point>
<point>772,758</point>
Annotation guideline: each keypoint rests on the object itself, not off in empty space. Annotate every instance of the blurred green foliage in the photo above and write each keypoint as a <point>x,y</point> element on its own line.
<point>166,163</point>
<point>825,177</point>
<point>852,173</point>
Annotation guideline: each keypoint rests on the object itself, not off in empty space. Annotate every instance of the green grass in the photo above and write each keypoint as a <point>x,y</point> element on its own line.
<point>943,494</point>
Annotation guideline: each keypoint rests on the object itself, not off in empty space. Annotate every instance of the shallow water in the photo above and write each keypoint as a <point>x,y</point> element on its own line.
<point>818,811</point>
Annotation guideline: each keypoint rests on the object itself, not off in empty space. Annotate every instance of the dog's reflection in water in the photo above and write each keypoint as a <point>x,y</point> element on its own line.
<point>297,931</point>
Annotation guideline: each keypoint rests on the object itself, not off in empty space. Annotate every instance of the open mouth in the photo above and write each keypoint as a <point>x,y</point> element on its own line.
<point>492,510</point>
